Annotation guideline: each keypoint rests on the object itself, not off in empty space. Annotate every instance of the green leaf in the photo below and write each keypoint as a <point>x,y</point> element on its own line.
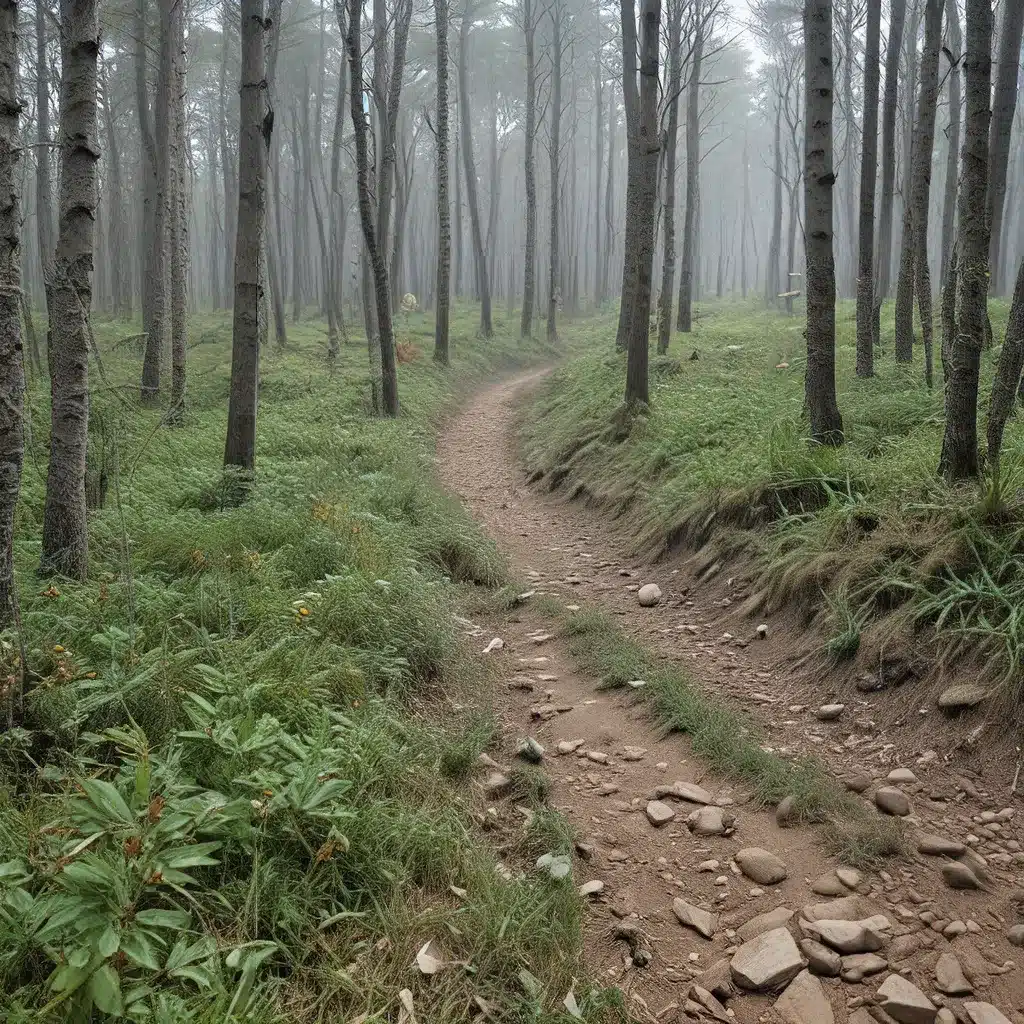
<point>200,975</point>
<point>139,950</point>
<point>105,989</point>
<point>108,942</point>
<point>90,871</point>
<point>183,953</point>
<point>196,855</point>
<point>107,800</point>
<point>176,919</point>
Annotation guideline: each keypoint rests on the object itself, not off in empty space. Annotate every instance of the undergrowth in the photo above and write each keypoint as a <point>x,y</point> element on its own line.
<point>238,788</point>
<point>720,460</point>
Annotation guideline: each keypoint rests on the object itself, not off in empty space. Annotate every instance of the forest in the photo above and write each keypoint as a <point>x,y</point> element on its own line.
<point>511,510</point>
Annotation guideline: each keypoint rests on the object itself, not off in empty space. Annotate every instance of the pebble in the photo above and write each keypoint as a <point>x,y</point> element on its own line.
<point>891,800</point>
<point>785,813</point>
<point>949,976</point>
<point>659,813</point>
<point>761,866</point>
<point>649,595</point>
<point>959,876</point>
<point>903,775</point>
<point>829,712</point>
<point>592,888</point>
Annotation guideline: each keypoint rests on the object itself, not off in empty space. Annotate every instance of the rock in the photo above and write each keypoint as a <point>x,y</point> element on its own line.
<point>497,784</point>
<point>569,746</point>
<point>702,997</point>
<point>985,1013</point>
<point>804,1002</point>
<point>495,645</point>
<point>903,946</point>
<point>966,695</point>
<point>820,959</point>
<point>530,750</point>
<point>891,800</point>
<point>828,885</point>
<point>865,936</point>
<point>939,846</point>
<point>658,813</point>
<point>684,791</point>
<point>945,1016</point>
<point>710,821</point>
<point>954,929</point>
<point>901,775</point>
<point>977,864</point>
<point>717,979</point>
<point>905,1002</point>
<point>785,813</point>
<point>701,921</point>
<point>762,631</point>
<point>858,966</point>
<point>849,908</point>
<point>959,876</point>
<point>949,976</point>
<point>649,595</point>
<point>861,1016</point>
<point>767,962</point>
<point>761,866</point>
<point>829,712</point>
<point>777,918</point>
<point>1015,936</point>
<point>633,753</point>
<point>850,877</point>
<point>592,888</point>
<point>857,782</point>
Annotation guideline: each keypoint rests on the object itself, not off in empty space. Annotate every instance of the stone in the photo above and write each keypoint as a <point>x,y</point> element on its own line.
<point>850,877</point>
<point>659,813</point>
<point>530,750</point>
<point>777,918</point>
<point>945,1016</point>
<point>977,864</point>
<point>857,782</point>
<point>701,921</point>
<point>767,962</point>
<point>633,753</point>
<point>949,976</point>
<point>684,791</point>
<point>959,876</point>
<point>903,946</point>
<point>710,821</point>
<point>717,979</point>
<point>901,775</point>
<point>702,997</point>
<point>829,712</point>
<point>954,929</point>
<point>497,784</point>
<point>1015,936</point>
<point>905,1002</point>
<point>761,866</point>
<point>849,908</point>
<point>785,813</point>
<point>592,888</point>
<point>828,885</point>
<point>985,1013</point>
<point>939,846</point>
<point>804,1002</point>
<point>865,936</point>
<point>858,966</point>
<point>966,695</point>
<point>891,800</point>
<point>649,595</point>
<point>820,959</point>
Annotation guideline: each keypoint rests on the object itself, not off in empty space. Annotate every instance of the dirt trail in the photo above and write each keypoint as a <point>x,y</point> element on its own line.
<point>604,787</point>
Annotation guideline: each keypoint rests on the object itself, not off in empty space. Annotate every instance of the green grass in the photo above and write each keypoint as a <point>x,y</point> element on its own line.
<point>238,788</point>
<point>730,744</point>
<point>721,459</point>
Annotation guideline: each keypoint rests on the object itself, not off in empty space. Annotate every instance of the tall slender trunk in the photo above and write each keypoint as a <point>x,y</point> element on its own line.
<point>959,459</point>
<point>955,42</point>
<point>256,120</point>
<point>530,171</point>
<point>671,141</point>
<point>120,268</point>
<point>684,318</point>
<point>216,225</point>
<point>179,194</point>
<point>554,142</point>
<point>494,191</point>
<point>65,547</point>
<point>849,144</point>
<point>480,256</point>
<point>598,152</point>
<point>745,215</point>
<point>609,193</point>
<point>883,261</point>
<point>12,367</point>
<point>444,209</point>
<point>227,161</point>
<point>1008,373</point>
<point>44,188</point>
<point>298,207</point>
<point>868,173</point>
<point>772,283</point>
<point>631,106</point>
<point>820,376</point>
<point>336,203</point>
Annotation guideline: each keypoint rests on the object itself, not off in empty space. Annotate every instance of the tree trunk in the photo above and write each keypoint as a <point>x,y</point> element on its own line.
<point>868,173</point>
<point>609,192</point>
<point>12,367</point>
<point>44,187</point>
<point>227,161</point>
<point>65,547</point>
<point>1004,104</point>
<point>745,216</point>
<point>959,460</point>
<point>631,105</point>
<point>444,208</point>
<point>120,268</point>
<point>530,172</point>
<point>598,152</point>
<point>883,262</point>
<point>480,256</point>
<point>668,264</point>
<point>820,377</point>
<point>955,42</point>
<point>256,121</point>
<point>179,194</point>
<point>684,319</point>
<point>494,197</point>
<point>849,135</point>
<point>554,143</point>
<point>336,200</point>
<point>644,166</point>
<point>772,283</point>
<point>1008,373</point>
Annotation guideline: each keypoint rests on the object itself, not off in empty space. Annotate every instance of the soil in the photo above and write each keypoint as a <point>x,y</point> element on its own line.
<point>565,549</point>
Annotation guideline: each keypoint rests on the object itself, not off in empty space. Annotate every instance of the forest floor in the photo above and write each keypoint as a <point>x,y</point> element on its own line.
<point>754,728</point>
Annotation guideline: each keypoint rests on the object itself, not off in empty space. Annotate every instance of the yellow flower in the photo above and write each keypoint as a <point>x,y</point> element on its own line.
<point>303,611</point>
<point>57,649</point>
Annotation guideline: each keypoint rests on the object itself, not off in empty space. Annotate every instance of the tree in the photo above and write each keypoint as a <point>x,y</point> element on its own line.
<point>954,45</point>
<point>643,170</point>
<point>444,208</point>
<point>1008,373</point>
<point>959,459</point>
<point>819,178</point>
<point>178,212</point>
<point>674,87</point>
<point>65,548</point>
<point>529,169</point>
<point>12,369</point>
<point>256,123</point>
<point>1004,103</point>
<point>44,188</point>
<point>684,317</point>
<point>868,173</point>
<point>554,154</point>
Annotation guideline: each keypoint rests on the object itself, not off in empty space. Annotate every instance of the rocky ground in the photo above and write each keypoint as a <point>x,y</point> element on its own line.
<point>702,905</point>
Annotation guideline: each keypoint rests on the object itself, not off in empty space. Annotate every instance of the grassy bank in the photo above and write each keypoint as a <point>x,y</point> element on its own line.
<point>239,787</point>
<point>721,459</point>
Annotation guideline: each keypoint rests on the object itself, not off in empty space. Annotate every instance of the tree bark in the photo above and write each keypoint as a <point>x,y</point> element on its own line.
<point>598,154</point>
<point>819,178</point>
<point>65,547</point>
<point>631,106</point>
<point>44,187</point>
<point>227,161</point>
<point>179,193</point>
<point>256,123</point>
<point>668,263</point>
<point>554,142</point>
<point>530,171</point>
<point>118,235</point>
<point>609,192</point>
<point>1008,373</point>
<point>959,459</point>
<point>955,42</point>
<point>684,319</point>
<point>772,288</point>
<point>12,366</point>
<point>444,208</point>
<point>897,15</point>
<point>868,173</point>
